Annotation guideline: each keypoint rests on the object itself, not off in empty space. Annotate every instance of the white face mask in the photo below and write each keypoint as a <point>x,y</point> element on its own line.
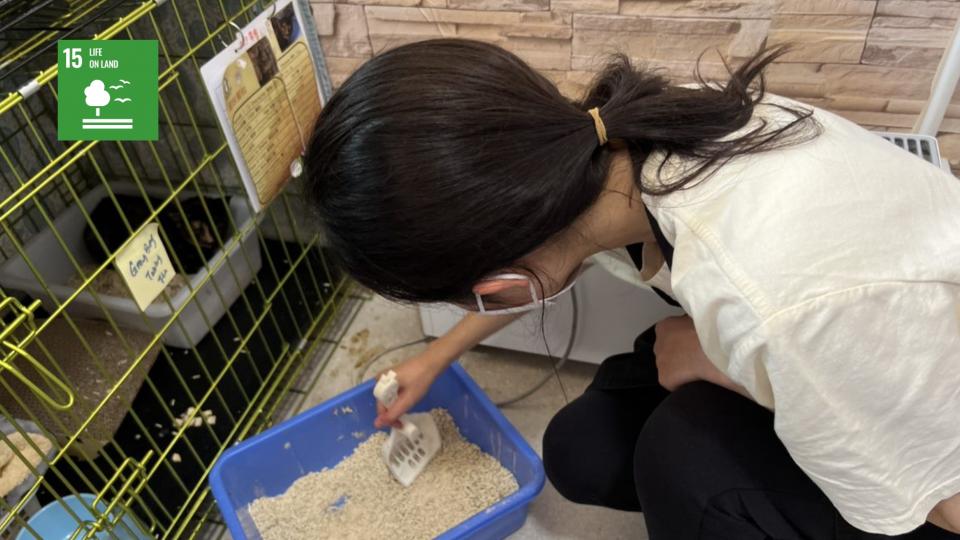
<point>532,301</point>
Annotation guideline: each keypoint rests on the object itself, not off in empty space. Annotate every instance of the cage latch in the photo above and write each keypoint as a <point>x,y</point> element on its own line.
<point>108,517</point>
<point>14,348</point>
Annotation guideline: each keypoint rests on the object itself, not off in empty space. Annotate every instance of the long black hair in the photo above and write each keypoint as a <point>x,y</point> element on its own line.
<point>439,162</point>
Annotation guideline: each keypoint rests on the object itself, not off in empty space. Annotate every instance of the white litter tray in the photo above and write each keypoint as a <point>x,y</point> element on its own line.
<point>50,259</point>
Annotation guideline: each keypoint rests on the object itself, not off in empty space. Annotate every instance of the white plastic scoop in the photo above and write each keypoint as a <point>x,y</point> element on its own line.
<point>408,449</point>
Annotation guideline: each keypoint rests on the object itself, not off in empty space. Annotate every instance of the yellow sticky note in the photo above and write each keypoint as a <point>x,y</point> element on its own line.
<point>145,266</point>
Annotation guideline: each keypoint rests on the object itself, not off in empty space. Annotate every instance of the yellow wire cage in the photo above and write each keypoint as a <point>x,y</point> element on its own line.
<point>115,414</point>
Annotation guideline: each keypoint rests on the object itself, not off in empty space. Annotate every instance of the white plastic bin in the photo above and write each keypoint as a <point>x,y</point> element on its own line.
<point>50,259</point>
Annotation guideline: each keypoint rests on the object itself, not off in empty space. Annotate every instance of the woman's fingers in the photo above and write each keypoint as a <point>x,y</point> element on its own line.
<point>381,422</point>
<point>391,416</point>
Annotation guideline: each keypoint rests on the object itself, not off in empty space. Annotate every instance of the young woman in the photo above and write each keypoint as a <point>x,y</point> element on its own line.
<point>813,390</point>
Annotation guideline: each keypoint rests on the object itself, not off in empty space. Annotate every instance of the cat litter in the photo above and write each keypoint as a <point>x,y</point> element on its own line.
<point>358,499</point>
<point>206,417</point>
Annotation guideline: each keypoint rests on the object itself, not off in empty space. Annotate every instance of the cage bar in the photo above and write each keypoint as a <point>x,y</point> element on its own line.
<point>108,420</point>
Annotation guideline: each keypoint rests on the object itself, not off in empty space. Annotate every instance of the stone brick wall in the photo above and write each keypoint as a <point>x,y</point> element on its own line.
<point>871,61</point>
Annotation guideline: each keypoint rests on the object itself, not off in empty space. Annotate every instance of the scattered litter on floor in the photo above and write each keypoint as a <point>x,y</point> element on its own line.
<point>195,376</point>
<point>367,356</point>
<point>359,349</point>
<point>359,434</point>
<point>362,335</point>
<point>206,417</point>
<point>286,445</point>
<point>175,457</point>
<point>358,499</point>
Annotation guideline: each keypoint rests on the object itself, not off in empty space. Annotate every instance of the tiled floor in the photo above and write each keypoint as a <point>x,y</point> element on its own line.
<point>380,325</point>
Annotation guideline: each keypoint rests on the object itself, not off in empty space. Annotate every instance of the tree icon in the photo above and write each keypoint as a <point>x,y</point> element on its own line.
<point>96,95</point>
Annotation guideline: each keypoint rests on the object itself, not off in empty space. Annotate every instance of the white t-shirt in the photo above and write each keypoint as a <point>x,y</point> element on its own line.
<point>825,279</point>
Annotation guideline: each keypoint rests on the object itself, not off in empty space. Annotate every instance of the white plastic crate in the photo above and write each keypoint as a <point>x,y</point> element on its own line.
<point>50,259</point>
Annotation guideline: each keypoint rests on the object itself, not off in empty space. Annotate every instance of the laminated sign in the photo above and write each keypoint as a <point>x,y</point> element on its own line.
<point>267,96</point>
<point>107,90</point>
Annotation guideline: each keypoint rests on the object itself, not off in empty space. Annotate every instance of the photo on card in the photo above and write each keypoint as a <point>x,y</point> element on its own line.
<point>285,27</point>
<point>263,60</point>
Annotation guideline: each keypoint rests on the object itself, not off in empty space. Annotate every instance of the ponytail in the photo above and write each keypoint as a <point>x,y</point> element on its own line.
<point>642,109</point>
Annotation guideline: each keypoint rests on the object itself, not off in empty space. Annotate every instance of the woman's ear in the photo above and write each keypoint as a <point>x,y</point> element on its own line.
<point>493,286</point>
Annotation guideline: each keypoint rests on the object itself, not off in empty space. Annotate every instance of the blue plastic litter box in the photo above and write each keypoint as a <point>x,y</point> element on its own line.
<point>269,463</point>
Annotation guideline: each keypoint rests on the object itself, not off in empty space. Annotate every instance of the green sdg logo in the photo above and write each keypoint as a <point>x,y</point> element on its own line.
<point>107,90</point>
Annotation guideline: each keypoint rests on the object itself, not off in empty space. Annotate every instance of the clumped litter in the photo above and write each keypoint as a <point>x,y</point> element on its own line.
<point>359,500</point>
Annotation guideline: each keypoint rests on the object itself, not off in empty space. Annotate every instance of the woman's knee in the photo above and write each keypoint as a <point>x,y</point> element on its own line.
<point>587,455</point>
<point>562,453</point>
<point>660,459</point>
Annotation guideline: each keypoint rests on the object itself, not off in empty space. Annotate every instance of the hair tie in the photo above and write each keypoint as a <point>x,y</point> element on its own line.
<point>598,125</point>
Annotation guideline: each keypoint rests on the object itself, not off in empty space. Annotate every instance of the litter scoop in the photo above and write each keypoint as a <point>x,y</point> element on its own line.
<point>410,448</point>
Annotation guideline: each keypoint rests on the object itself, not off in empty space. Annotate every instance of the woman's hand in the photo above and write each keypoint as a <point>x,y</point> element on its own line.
<point>681,360</point>
<point>415,375</point>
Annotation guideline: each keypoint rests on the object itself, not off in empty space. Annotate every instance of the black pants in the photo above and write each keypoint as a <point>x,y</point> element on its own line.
<point>702,462</point>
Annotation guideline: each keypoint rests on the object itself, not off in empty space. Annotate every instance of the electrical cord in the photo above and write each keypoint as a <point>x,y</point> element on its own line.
<point>373,361</point>
<point>556,365</point>
<point>523,395</point>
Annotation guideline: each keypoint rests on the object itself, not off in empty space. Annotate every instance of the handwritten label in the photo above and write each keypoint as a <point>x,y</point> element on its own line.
<point>145,266</point>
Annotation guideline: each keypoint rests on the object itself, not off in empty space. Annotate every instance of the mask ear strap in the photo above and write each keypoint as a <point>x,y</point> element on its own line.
<point>506,277</point>
<point>480,307</point>
<point>533,292</point>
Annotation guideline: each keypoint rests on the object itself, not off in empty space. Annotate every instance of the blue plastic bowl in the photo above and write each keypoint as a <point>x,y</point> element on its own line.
<point>268,464</point>
<point>53,522</point>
